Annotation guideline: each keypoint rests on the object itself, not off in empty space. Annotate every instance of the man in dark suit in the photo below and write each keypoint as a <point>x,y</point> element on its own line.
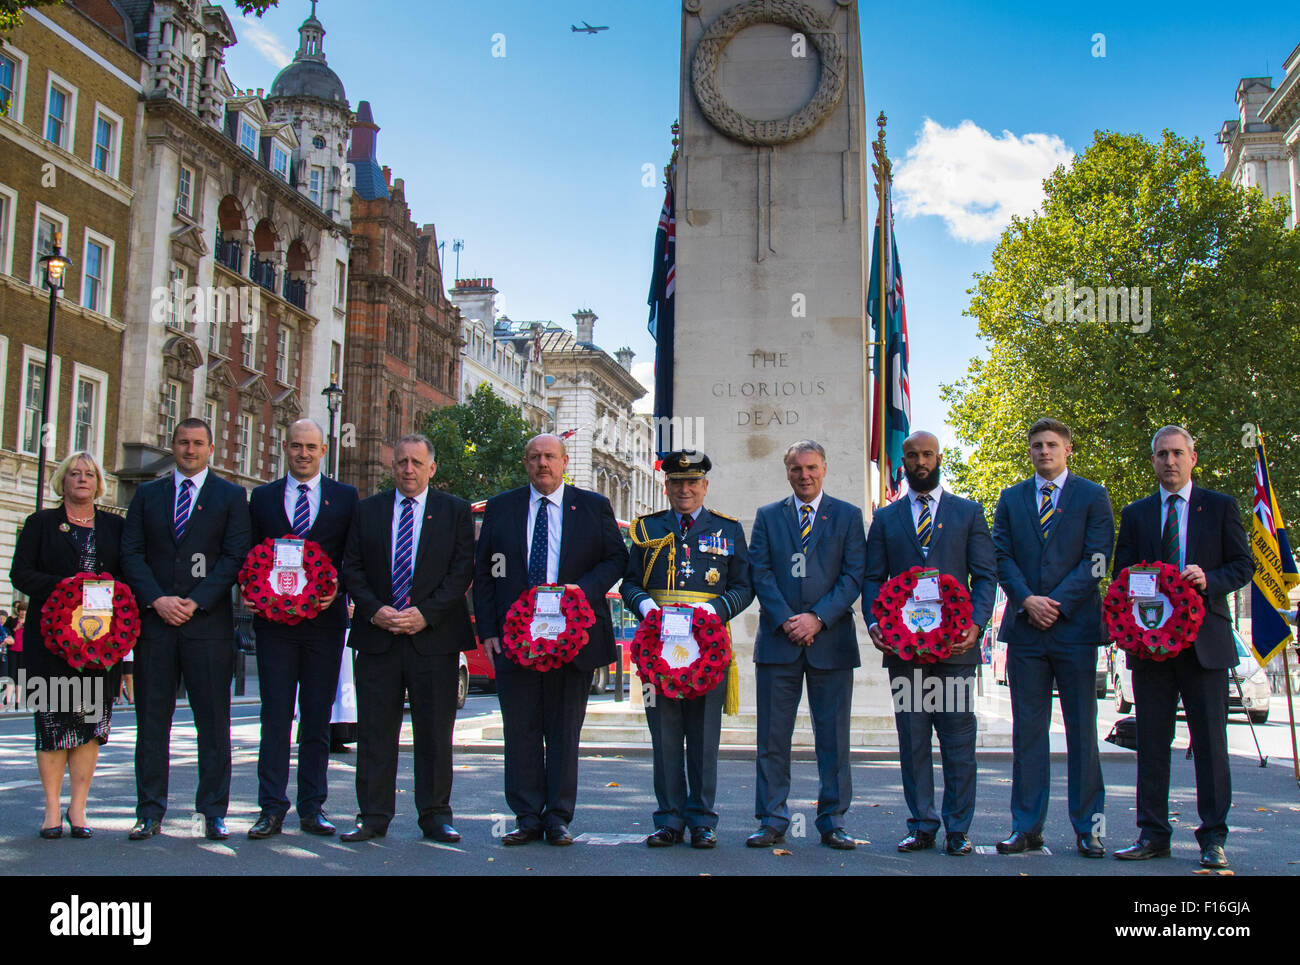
<point>687,556</point>
<point>809,560</point>
<point>183,544</point>
<point>545,533</point>
<point>933,528</point>
<point>303,658</point>
<point>1200,532</point>
<point>408,563</point>
<point>1053,534</point>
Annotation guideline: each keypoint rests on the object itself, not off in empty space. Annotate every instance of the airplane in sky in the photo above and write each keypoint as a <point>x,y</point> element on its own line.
<point>586,28</point>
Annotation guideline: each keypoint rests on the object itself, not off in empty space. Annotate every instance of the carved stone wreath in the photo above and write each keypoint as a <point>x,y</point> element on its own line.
<point>786,13</point>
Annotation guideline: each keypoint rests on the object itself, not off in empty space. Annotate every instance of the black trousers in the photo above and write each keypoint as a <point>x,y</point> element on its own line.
<point>938,696</point>
<point>1156,686</point>
<point>542,714</point>
<point>685,735</point>
<point>162,660</point>
<point>382,679</point>
<point>307,667</point>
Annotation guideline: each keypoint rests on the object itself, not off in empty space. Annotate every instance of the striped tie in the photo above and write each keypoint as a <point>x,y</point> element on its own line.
<point>1169,542</point>
<point>1045,511</point>
<point>301,513</point>
<point>402,571</point>
<point>182,509</point>
<point>924,525</point>
<point>805,525</point>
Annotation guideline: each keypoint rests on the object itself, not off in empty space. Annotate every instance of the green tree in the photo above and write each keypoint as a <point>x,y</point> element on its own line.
<point>11,11</point>
<point>1216,352</point>
<point>479,445</point>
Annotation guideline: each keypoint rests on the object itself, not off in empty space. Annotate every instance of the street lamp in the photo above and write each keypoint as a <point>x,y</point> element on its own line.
<point>56,266</point>
<point>333,400</point>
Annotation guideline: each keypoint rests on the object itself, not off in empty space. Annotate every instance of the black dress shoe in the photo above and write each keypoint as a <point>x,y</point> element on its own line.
<point>703,838</point>
<point>1212,856</point>
<point>78,831</point>
<point>145,828</point>
<point>664,838</point>
<point>1020,842</point>
<point>521,836</point>
<point>837,838</point>
<point>1143,850</point>
<point>363,832</point>
<point>765,837</point>
<point>214,829</point>
<point>559,836</point>
<point>49,834</point>
<point>266,825</point>
<point>444,833</point>
<point>1090,846</point>
<point>316,824</point>
<point>956,844</point>
<point>917,841</point>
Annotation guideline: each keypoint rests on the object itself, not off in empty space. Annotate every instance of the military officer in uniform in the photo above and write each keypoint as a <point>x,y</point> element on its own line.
<point>687,555</point>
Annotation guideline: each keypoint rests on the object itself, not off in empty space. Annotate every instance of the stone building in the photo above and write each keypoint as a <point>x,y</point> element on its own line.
<point>590,395</point>
<point>403,341</point>
<point>502,353</point>
<point>239,247</point>
<point>1255,153</point>
<point>70,115</point>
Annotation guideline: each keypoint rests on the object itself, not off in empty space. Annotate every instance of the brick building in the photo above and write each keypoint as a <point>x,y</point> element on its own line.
<point>70,82</point>
<point>403,336</point>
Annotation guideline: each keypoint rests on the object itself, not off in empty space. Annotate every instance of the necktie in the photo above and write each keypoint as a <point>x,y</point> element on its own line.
<point>924,524</point>
<point>182,509</point>
<point>301,512</point>
<point>537,553</point>
<point>1169,546</point>
<point>805,525</point>
<point>687,520</point>
<point>402,569</point>
<point>1045,511</point>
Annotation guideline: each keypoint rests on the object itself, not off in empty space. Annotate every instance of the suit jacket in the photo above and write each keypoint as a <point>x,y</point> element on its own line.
<point>960,546</point>
<point>338,503</point>
<point>1067,566</point>
<point>592,555</point>
<point>827,584</point>
<point>1216,542</point>
<point>203,566</point>
<point>443,567</point>
<point>46,555</point>
<point>723,577</point>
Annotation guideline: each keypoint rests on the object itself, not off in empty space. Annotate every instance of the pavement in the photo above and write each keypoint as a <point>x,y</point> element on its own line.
<point>615,803</point>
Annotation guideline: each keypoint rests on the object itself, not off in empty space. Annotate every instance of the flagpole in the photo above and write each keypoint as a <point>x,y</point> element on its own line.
<point>882,171</point>
<point>1290,709</point>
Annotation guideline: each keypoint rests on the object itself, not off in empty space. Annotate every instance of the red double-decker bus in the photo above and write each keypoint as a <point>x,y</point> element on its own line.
<point>483,674</point>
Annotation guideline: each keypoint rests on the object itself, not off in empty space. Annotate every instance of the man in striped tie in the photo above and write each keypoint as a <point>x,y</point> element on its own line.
<point>408,563</point>
<point>1053,533</point>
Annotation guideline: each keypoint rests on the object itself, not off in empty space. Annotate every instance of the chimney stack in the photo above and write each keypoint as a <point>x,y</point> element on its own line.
<point>586,323</point>
<point>624,356</point>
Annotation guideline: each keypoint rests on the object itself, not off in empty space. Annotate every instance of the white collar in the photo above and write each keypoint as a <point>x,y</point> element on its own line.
<point>198,479</point>
<point>419,497</point>
<point>1058,482</point>
<point>934,494</point>
<point>311,483</point>
<point>815,504</point>
<point>1185,492</point>
<point>556,497</point>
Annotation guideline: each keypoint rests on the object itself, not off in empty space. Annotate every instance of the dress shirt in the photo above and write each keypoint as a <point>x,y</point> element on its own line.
<point>313,498</point>
<point>934,495</point>
<point>1058,482</point>
<point>198,479</point>
<point>799,504</point>
<point>554,520</point>
<point>1186,493</point>
<point>417,518</point>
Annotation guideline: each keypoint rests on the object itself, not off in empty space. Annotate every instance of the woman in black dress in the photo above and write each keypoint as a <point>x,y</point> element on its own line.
<point>53,545</point>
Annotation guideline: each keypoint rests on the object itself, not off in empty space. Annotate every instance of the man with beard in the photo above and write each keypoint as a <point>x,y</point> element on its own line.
<point>1053,534</point>
<point>939,531</point>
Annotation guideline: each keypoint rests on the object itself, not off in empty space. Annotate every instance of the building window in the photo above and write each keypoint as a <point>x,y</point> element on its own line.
<point>176,300</point>
<point>314,182</point>
<point>336,360</point>
<point>246,349</point>
<point>210,414</point>
<point>88,414</point>
<point>56,115</point>
<point>108,127</point>
<point>184,191</point>
<point>171,411</point>
<point>96,274</point>
<point>244,447</point>
<point>248,136</point>
<point>282,355</point>
<point>277,451</point>
<point>49,224</point>
<point>8,84</point>
<point>397,335</point>
<point>280,162</point>
<point>394,426</point>
<point>8,205</point>
<point>33,398</point>
<point>340,284</point>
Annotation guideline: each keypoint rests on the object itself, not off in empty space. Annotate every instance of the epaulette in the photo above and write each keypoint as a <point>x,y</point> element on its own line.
<point>731,519</point>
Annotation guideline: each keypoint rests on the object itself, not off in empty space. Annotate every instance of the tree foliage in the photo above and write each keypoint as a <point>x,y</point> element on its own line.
<point>479,445</point>
<point>1218,353</point>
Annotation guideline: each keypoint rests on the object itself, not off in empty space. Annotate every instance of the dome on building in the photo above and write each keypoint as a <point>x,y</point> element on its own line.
<point>309,75</point>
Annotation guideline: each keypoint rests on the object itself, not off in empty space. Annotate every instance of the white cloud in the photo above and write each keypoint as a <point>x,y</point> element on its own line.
<point>265,43</point>
<point>974,181</point>
<point>644,372</point>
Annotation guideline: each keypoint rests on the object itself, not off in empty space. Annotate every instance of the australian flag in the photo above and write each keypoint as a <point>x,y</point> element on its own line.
<point>662,302</point>
<point>898,397</point>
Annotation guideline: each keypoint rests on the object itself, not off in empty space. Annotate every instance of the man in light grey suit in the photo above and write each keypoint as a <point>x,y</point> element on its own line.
<point>935,529</point>
<point>808,558</point>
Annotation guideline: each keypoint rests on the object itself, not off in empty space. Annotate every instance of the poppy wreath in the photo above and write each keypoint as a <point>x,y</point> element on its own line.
<point>927,646</point>
<point>290,609</point>
<point>64,638</point>
<point>1178,632</point>
<point>543,653</point>
<point>698,677</point>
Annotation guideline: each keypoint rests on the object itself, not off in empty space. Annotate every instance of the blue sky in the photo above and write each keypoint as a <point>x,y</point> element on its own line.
<point>535,158</point>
